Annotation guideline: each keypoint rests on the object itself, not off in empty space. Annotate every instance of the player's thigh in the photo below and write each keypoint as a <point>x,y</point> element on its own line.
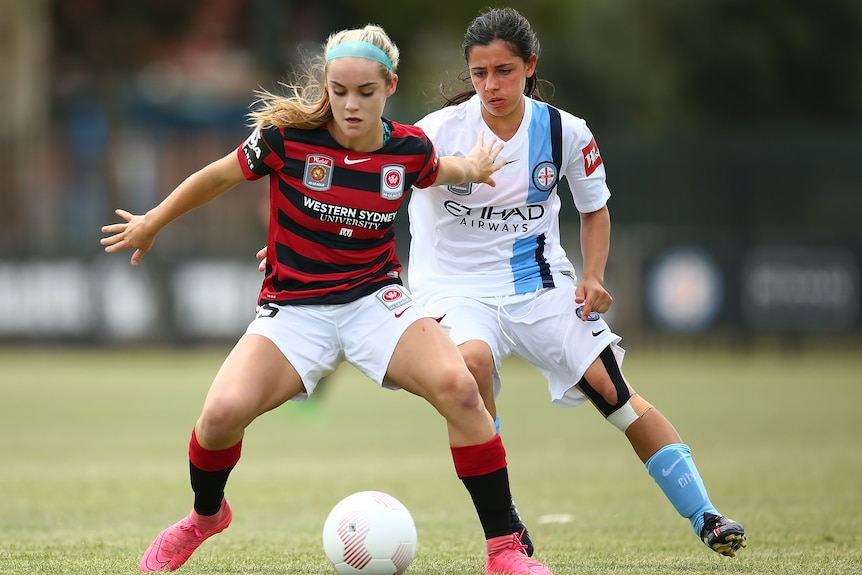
<point>470,319</point>
<point>427,363</point>
<point>605,376</point>
<point>254,378</point>
<point>306,335</point>
<point>474,327</point>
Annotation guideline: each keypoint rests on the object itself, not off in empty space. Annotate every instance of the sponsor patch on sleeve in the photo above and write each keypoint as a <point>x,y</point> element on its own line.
<point>255,154</point>
<point>592,157</point>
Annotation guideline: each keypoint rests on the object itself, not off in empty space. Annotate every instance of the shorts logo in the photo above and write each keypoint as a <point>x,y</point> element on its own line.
<point>392,182</point>
<point>545,176</point>
<point>318,172</point>
<point>268,309</point>
<point>594,316</point>
<point>592,157</point>
<point>464,189</point>
<point>393,297</point>
<point>400,313</point>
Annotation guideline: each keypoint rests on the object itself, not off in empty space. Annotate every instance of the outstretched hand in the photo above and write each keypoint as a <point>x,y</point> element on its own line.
<point>133,234</point>
<point>485,159</point>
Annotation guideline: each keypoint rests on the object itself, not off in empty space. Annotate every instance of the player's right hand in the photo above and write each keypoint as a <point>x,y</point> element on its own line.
<point>133,234</point>
<point>592,297</point>
<point>261,255</point>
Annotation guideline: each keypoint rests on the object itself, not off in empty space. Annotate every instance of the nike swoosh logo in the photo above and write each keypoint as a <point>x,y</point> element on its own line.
<point>400,313</point>
<point>598,333</point>
<point>669,470</point>
<point>350,162</point>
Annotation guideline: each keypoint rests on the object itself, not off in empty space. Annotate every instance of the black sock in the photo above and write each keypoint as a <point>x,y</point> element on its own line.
<point>491,496</point>
<point>209,488</point>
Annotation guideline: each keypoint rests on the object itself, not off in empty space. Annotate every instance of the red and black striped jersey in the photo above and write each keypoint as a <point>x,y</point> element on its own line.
<point>331,238</point>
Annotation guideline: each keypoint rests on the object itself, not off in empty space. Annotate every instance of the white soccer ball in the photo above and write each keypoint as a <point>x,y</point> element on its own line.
<point>369,533</point>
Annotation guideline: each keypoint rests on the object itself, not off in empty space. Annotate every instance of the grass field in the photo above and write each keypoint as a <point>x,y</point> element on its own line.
<point>93,464</point>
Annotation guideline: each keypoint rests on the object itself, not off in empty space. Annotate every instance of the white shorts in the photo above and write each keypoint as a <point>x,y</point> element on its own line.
<point>543,328</point>
<point>315,339</point>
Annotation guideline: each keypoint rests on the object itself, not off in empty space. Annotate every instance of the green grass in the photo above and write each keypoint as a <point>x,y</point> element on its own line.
<point>93,464</point>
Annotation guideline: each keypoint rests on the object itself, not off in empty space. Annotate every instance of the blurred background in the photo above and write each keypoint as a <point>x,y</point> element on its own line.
<point>731,132</point>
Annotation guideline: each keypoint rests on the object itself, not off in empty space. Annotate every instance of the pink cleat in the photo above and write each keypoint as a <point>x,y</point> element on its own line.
<point>506,555</point>
<point>176,544</point>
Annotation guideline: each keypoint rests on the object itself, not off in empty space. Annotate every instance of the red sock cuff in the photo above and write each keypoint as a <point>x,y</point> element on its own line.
<point>481,459</point>
<point>213,460</point>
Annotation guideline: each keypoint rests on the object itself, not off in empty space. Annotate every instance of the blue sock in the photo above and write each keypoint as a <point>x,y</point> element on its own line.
<point>497,423</point>
<point>674,471</point>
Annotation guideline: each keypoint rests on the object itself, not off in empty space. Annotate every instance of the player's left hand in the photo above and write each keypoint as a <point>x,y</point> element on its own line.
<point>592,297</point>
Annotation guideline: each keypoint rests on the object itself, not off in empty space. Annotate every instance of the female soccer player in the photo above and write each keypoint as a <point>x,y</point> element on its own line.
<point>489,260</point>
<point>338,172</point>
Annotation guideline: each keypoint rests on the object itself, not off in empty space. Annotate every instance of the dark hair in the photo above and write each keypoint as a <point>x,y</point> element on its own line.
<point>508,25</point>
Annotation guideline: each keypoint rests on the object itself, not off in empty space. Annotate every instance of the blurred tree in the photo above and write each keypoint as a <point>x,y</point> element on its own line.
<point>99,46</point>
<point>659,66</point>
<point>116,37</point>
<point>651,78</point>
<point>25,218</point>
<point>677,65</point>
<point>772,61</point>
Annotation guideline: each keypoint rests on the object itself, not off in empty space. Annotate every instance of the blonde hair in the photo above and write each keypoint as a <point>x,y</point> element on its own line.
<point>306,103</point>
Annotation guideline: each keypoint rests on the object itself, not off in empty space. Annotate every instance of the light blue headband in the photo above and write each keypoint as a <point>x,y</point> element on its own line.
<point>359,49</point>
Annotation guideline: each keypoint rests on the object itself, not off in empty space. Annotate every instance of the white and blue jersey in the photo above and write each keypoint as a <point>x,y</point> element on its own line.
<point>484,241</point>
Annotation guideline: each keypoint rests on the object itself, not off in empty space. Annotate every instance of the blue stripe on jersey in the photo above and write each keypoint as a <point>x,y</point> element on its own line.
<point>540,148</point>
<point>530,269</point>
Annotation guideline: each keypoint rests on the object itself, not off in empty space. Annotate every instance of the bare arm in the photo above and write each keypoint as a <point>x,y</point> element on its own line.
<point>139,232</point>
<point>595,247</point>
<point>476,167</point>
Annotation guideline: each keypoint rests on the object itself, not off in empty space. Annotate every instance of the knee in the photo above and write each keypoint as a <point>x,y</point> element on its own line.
<point>623,410</point>
<point>219,422</point>
<point>611,394</point>
<point>481,366</point>
<point>456,391</point>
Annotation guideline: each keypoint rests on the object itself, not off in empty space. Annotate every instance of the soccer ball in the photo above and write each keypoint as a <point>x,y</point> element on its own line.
<point>369,533</point>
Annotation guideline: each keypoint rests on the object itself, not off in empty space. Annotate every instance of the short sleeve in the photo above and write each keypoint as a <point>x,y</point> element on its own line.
<point>253,155</point>
<point>585,171</point>
<point>428,174</point>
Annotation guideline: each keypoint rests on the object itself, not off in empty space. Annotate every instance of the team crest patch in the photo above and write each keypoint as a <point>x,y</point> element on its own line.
<point>318,172</point>
<point>545,176</point>
<point>594,316</point>
<point>392,182</point>
<point>393,297</point>
<point>464,189</point>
